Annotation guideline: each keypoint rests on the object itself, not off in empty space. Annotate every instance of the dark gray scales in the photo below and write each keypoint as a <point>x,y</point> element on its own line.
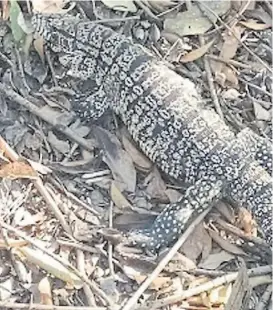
<point>165,116</point>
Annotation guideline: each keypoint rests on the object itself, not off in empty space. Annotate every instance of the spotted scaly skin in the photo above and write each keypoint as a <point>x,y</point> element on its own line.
<point>166,118</point>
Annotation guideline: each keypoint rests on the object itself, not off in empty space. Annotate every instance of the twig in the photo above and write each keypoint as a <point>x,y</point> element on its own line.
<point>40,187</point>
<point>80,246</point>
<point>22,73</point>
<point>256,87</point>
<point>53,75</point>
<point>241,290</point>
<point>147,10</point>
<point>238,232</point>
<point>232,62</point>
<point>265,298</point>
<point>202,288</point>
<point>133,300</point>
<point>110,246</point>
<point>15,305</point>
<point>235,36</point>
<point>92,284</point>
<point>86,288</point>
<point>211,84</point>
<point>8,92</point>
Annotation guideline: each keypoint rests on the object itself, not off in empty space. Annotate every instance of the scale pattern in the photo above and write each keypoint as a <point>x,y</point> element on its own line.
<point>165,116</point>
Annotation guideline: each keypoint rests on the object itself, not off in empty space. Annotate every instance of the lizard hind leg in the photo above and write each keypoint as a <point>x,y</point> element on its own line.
<point>177,216</point>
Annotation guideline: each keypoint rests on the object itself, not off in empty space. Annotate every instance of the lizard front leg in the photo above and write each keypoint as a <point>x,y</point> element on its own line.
<point>91,107</point>
<point>261,148</point>
<point>176,217</point>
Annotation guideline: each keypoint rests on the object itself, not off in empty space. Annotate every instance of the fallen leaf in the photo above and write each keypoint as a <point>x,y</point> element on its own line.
<point>225,244</point>
<point>5,15</point>
<point>51,6</point>
<point>252,24</point>
<point>51,265</point>
<point>224,73</point>
<point>44,288</point>
<point>261,113</point>
<point>198,243</point>
<point>15,13</point>
<point>60,145</point>
<point>38,44</point>
<point>121,5</point>
<point>6,288</point>
<point>138,157</point>
<point>155,185</point>
<point>157,284</point>
<point>119,162</point>
<point>119,200</point>
<point>194,21</point>
<point>246,222</point>
<point>11,243</point>
<point>214,260</point>
<point>197,53</point>
<point>17,170</point>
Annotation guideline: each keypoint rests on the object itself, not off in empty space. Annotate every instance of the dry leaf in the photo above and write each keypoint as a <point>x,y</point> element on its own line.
<point>17,170</point>
<point>198,243</point>
<point>246,222</point>
<point>116,158</point>
<point>261,113</point>
<point>45,292</point>
<point>50,265</point>
<point>194,21</point>
<point>155,185</point>
<point>156,284</point>
<point>121,5</point>
<point>197,53</point>
<point>119,200</point>
<point>11,243</point>
<point>60,145</point>
<point>214,260</point>
<point>215,297</point>
<point>5,11</point>
<point>51,6</point>
<point>138,157</point>
<point>225,244</point>
<point>224,73</point>
<point>39,47</point>
<point>252,24</point>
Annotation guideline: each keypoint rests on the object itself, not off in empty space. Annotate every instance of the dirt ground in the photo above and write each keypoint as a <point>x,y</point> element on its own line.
<point>69,190</point>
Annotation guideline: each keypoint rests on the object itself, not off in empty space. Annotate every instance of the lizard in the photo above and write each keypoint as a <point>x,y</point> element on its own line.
<point>166,117</point>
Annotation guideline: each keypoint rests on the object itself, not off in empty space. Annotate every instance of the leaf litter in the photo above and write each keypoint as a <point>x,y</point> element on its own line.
<point>60,186</point>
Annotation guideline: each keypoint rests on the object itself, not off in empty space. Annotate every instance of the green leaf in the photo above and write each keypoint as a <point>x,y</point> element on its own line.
<point>15,14</point>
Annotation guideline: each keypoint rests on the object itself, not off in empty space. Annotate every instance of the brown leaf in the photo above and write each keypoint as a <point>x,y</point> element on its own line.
<point>224,73</point>
<point>198,243</point>
<point>51,6</point>
<point>156,186</point>
<point>116,158</point>
<point>119,200</point>
<point>214,260</point>
<point>225,244</point>
<point>156,284</point>
<point>246,222</point>
<point>196,20</point>
<point>17,170</point>
<point>45,292</point>
<point>252,24</point>
<point>197,53</point>
<point>5,9</point>
<point>39,47</point>
<point>138,157</point>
